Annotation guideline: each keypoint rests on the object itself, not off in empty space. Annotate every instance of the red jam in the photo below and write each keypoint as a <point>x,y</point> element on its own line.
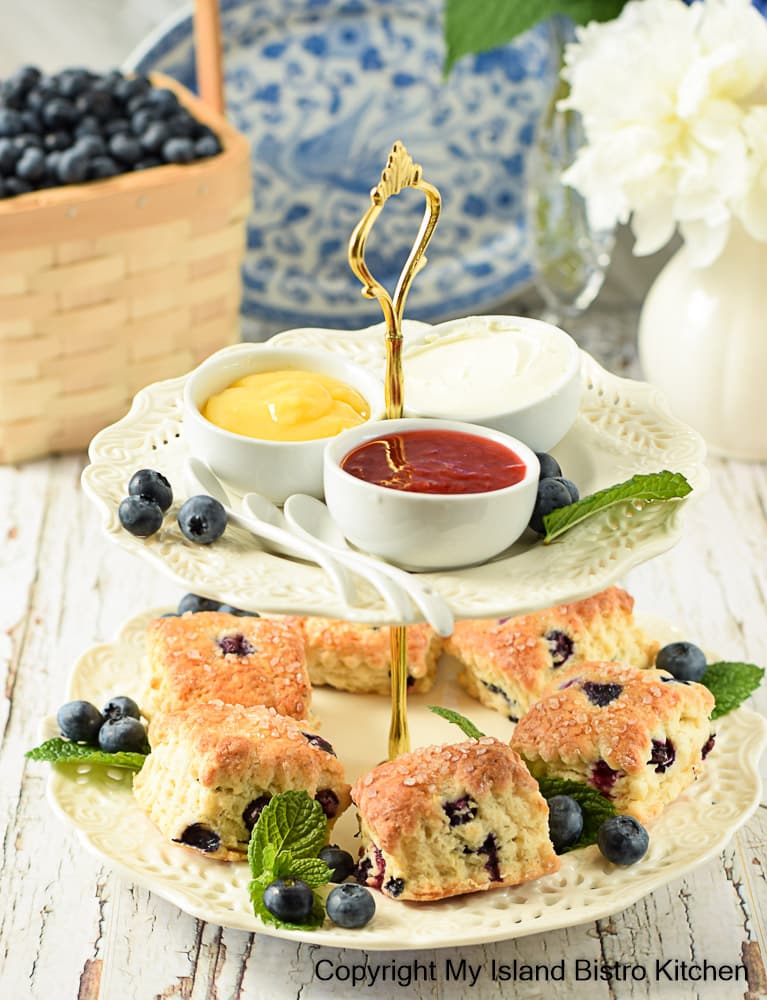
<point>435,461</point>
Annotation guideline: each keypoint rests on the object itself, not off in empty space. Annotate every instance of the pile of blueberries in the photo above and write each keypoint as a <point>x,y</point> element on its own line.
<point>117,727</point>
<point>554,491</point>
<point>202,519</point>
<point>78,126</point>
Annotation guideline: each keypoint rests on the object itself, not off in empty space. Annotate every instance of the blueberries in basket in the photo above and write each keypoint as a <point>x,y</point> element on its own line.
<point>550,467</point>
<point>623,840</point>
<point>552,494</point>
<point>289,899</point>
<point>195,603</point>
<point>121,707</point>
<point>151,485</point>
<point>565,822</point>
<point>339,861</point>
<point>80,721</point>
<point>123,734</point>
<point>683,660</point>
<point>350,906</point>
<point>202,519</point>
<point>102,124</point>
<point>140,516</point>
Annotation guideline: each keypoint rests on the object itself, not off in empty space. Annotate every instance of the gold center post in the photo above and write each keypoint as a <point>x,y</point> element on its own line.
<point>400,172</point>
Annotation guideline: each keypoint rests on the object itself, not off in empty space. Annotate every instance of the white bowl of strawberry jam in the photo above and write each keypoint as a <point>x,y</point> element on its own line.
<point>430,494</point>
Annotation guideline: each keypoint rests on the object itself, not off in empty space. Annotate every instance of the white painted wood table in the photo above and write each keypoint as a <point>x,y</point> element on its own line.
<point>71,928</point>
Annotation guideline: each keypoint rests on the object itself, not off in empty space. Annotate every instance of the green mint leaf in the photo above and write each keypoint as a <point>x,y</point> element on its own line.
<point>290,822</point>
<point>312,870</point>
<point>472,27</point>
<point>467,727</point>
<point>652,486</point>
<point>731,684</point>
<point>596,808</point>
<point>60,751</point>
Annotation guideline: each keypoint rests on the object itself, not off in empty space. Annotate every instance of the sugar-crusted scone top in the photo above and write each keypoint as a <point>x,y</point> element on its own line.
<point>211,655</point>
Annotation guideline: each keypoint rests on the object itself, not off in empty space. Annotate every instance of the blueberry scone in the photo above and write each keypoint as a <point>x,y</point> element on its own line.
<point>637,736</point>
<point>215,656</point>
<point>446,820</point>
<point>213,767</point>
<point>508,663</point>
<point>355,657</point>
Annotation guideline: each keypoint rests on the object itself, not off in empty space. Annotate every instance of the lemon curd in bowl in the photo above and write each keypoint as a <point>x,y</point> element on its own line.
<point>287,405</point>
<point>259,417</point>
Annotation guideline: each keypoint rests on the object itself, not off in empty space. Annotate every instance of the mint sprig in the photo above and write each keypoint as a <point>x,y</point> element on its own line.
<point>464,724</point>
<point>731,684</point>
<point>646,487</point>
<point>288,836</point>
<point>595,807</point>
<point>477,27</point>
<point>60,751</point>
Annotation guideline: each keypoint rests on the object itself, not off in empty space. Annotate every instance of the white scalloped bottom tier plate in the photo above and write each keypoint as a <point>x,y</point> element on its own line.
<point>99,803</point>
<point>623,428</point>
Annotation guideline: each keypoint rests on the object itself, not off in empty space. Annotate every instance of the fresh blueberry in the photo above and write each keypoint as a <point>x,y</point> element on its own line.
<point>339,861</point>
<point>31,165</point>
<point>683,660</point>
<point>623,840</point>
<point>72,167</point>
<point>140,516</point>
<point>195,603</point>
<point>80,721</point>
<point>10,122</point>
<point>350,906</point>
<point>155,137</point>
<point>229,609</point>
<point>202,519</point>
<point>24,140</point>
<point>124,733</point>
<point>550,467</point>
<point>102,167</point>
<point>182,125</point>
<point>571,487</point>
<point>59,113</point>
<point>164,100</point>
<point>552,494</point>
<point>57,140</point>
<point>126,149</point>
<point>328,799</point>
<point>8,156</point>
<point>88,125</point>
<point>141,120</point>
<point>289,899</point>
<point>151,485</point>
<point>235,645</point>
<point>565,822</point>
<point>15,185</point>
<point>319,742</point>
<point>178,151</point>
<point>96,102</point>
<point>74,82</point>
<point>601,694</point>
<point>201,837</point>
<point>91,145</point>
<point>663,755</point>
<point>253,810</point>
<point>31,121</point>
<point>126,89</point>
<point>121,707</point>
<point>147,163</point>
<point>207,146</point>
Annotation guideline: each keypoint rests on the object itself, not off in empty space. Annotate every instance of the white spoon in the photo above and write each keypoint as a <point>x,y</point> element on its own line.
<point>312,520</point>
<point>281,539</point>
<point>259,507</point>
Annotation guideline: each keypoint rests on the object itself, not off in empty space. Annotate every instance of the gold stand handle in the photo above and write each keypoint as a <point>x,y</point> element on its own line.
<point>400,172</point>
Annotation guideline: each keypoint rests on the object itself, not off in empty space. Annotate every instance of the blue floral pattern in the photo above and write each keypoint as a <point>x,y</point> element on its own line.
<point>323,88</point>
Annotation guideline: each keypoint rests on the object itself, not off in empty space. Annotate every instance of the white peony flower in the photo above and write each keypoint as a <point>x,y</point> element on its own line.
<point>674,106</point>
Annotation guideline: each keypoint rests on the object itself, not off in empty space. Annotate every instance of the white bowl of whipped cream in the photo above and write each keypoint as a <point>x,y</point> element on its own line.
<point>517,375</point>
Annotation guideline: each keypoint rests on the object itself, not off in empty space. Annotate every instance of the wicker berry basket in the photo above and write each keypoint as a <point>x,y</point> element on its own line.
<point>112,284</point>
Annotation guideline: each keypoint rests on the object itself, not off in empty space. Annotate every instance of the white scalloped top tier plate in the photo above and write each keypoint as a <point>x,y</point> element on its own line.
<point>623,428</point>
<point>99,803</point>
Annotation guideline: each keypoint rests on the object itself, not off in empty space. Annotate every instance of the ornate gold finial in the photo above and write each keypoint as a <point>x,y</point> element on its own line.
<point>400,172</point>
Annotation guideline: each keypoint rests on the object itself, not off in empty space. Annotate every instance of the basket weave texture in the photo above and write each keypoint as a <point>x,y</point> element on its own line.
<point>110,285</point>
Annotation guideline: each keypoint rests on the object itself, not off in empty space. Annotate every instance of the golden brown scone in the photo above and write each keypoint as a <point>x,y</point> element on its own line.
<point>446,820</point>
<point>638,736</point>
<point>355,657</point>
<point>213,767</point>
<point>215,656</point>
<point>508,663</point>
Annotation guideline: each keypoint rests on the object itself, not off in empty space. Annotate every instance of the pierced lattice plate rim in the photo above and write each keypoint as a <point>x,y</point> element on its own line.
<point>623,427</point>
<point>98,803</point>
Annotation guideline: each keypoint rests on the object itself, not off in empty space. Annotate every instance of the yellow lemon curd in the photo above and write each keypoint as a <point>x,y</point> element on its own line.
<point>287,406</point>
